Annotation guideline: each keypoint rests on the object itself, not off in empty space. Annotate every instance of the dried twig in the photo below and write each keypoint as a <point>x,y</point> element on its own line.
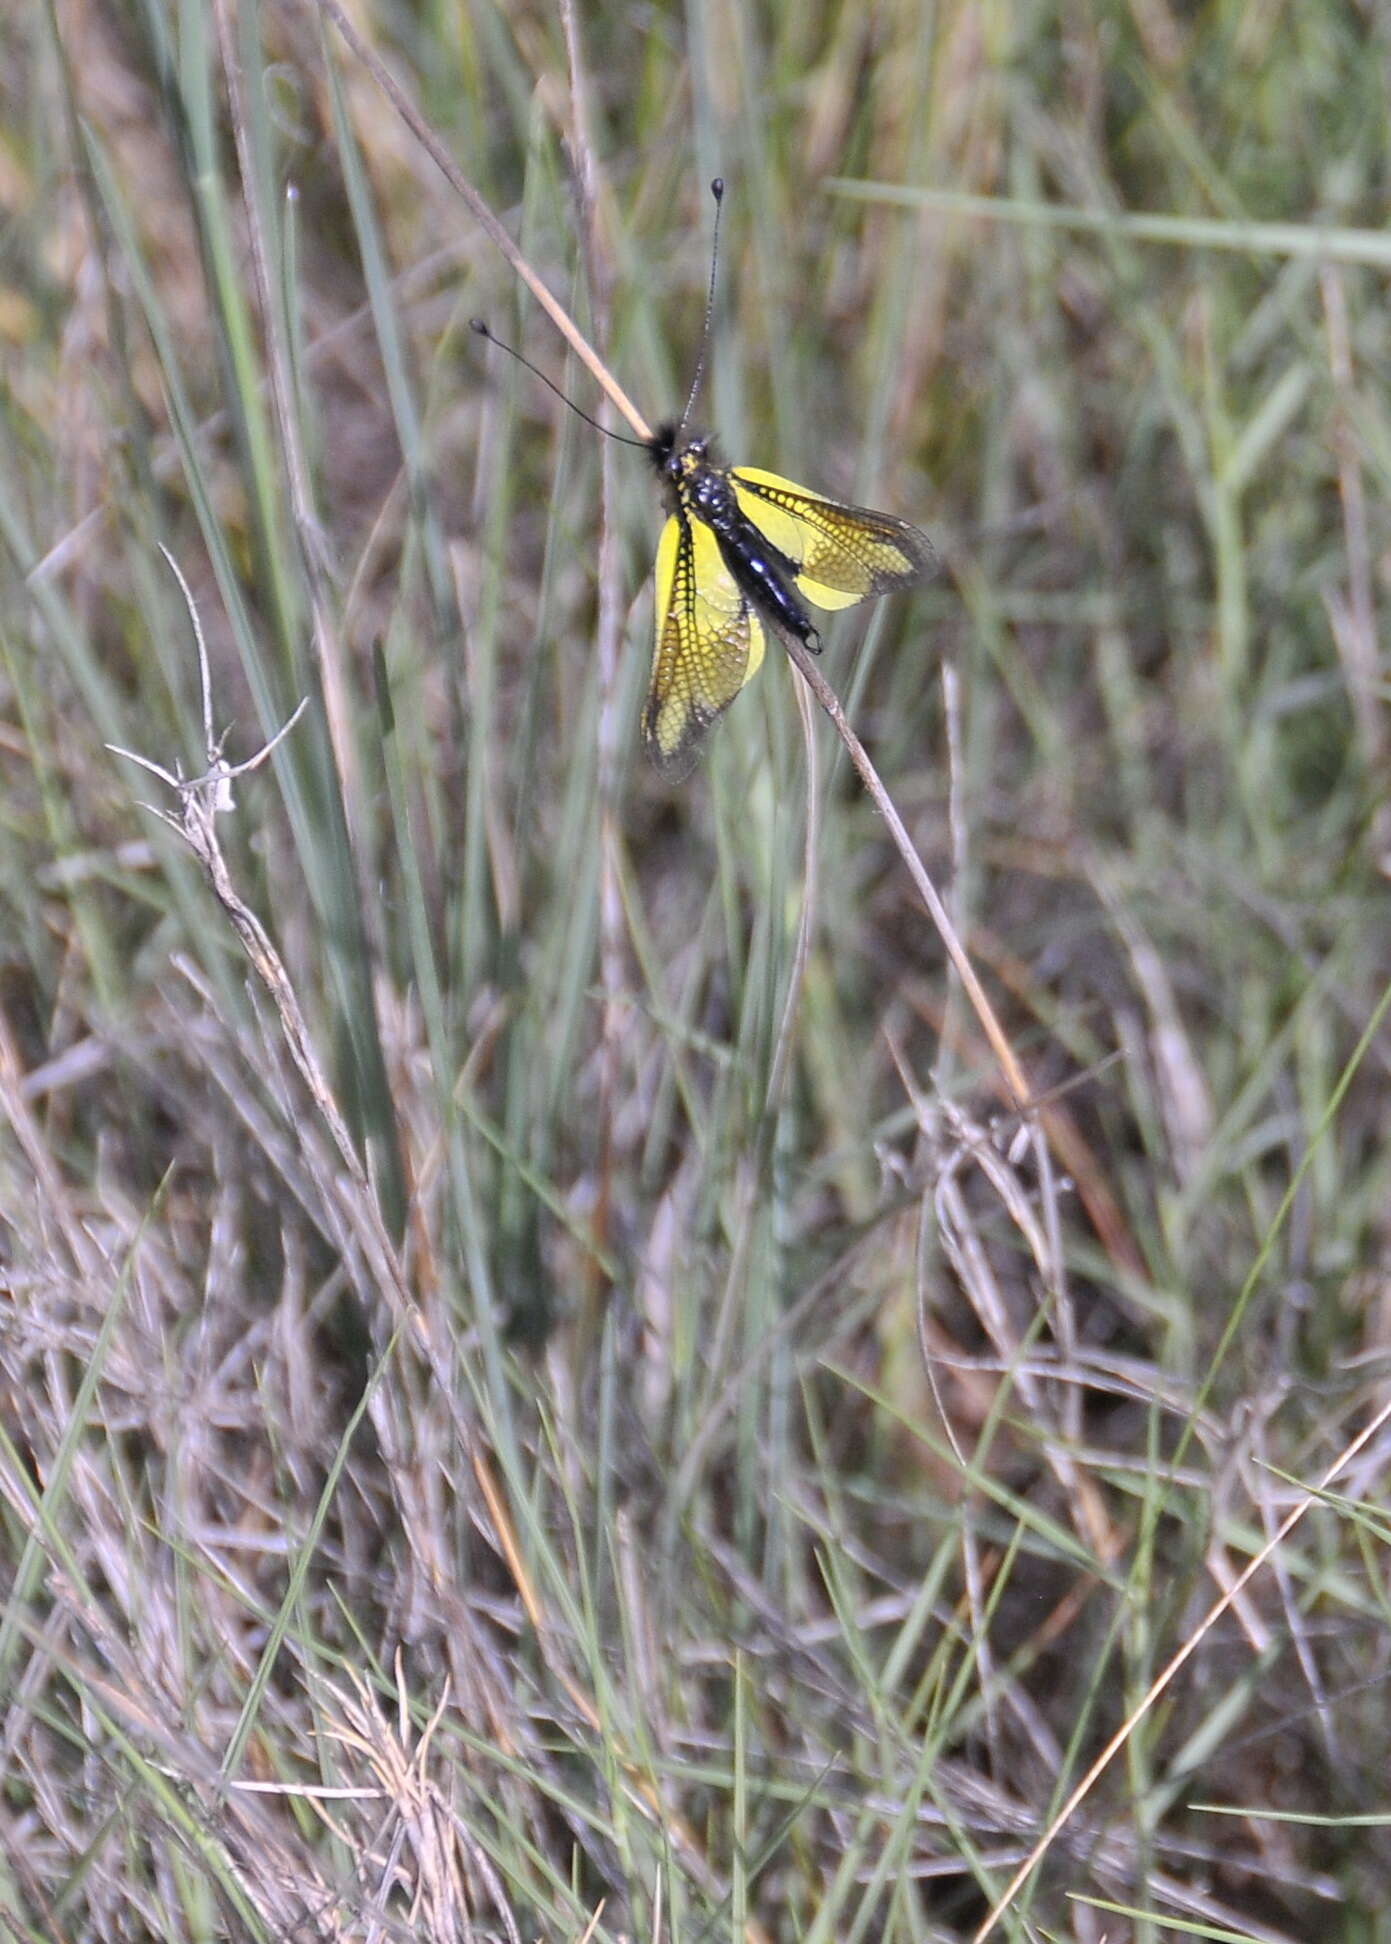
<point>1313,1496</point>
<point>917,870</point>
<point>202,800</point>
<point>484,216</point>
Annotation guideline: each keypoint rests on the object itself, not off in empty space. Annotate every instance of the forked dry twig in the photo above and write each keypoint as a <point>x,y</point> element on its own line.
<point>202,800</point>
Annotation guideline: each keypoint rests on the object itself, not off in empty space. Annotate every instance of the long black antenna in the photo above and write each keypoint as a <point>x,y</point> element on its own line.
<point>477,324</point>
<point>717,191</point>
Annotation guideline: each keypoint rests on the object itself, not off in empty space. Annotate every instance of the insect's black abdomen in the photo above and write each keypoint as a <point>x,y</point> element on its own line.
<point>762,573</point>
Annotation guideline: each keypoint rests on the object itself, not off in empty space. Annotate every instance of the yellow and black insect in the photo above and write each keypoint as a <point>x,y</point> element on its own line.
<point>741,551</point>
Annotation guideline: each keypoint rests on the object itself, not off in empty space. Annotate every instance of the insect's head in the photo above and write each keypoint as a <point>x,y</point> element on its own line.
<point>674,457</point>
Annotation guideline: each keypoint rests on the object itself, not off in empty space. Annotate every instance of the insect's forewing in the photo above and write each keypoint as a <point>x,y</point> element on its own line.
<point>842,554</point>
<point>709,642</point>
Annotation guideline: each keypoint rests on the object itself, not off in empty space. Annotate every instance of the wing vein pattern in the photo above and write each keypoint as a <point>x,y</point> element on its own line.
<point>709,643</point>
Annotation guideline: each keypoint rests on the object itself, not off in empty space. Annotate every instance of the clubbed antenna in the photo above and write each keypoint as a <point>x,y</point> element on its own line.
<point>477,324</point>
<point>717,191</point>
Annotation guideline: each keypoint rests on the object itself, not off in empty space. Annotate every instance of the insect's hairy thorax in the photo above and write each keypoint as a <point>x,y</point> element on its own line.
<point>695,482</point>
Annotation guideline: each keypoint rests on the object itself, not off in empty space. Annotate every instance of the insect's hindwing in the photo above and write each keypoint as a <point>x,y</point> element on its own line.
<point>709,641</point>
<point>841,554</point>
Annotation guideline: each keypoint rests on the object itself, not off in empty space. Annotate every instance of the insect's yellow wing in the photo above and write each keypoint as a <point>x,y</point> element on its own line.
<point>842,554</point>
<point>709,642</point>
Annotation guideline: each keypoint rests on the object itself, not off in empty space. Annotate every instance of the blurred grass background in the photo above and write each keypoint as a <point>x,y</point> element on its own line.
<point>704,1464</point>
